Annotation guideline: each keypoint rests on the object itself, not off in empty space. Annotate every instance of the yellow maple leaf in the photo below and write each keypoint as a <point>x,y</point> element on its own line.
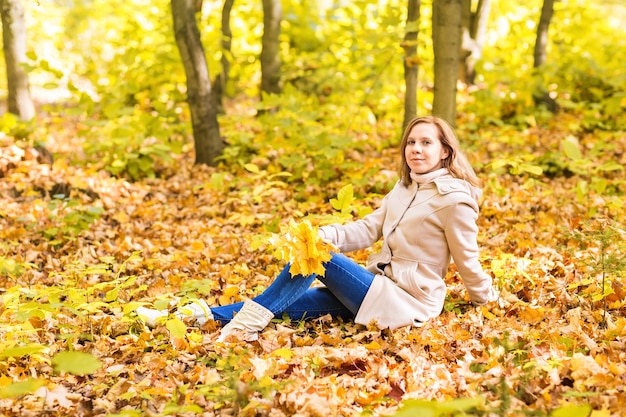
<point>301,246</point>
<point>229,295</point>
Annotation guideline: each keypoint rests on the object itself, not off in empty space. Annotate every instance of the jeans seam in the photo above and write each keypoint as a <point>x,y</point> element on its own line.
<point>354,276</point>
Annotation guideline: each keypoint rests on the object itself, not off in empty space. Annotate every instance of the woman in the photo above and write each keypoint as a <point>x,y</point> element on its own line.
<point>429,216</point>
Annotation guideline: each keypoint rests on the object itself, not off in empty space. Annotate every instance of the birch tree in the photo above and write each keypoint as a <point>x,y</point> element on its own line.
<point>474,28</point>
<point>20,101</point>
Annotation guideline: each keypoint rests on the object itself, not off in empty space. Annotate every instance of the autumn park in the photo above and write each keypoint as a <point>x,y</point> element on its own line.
<point>157,153</point>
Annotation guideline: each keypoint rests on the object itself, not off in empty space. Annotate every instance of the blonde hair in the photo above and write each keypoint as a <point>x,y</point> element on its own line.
<point>456,162</point>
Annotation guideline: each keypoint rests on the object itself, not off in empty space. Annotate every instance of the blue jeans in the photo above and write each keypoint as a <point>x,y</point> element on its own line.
<point>346,284</point>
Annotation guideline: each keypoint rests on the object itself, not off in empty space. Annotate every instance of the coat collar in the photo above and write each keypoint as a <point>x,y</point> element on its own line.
<point>446,183</point>
<point>429,176</point>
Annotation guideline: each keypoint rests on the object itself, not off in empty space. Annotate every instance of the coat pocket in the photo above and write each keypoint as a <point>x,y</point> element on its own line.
<point>416,281</point>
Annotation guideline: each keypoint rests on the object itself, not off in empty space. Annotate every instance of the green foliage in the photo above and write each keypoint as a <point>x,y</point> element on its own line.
<point>299,135</point>
<point>601,251</point>
<point>269,183</point>
<point>517,165</point>
<point>322,40</point>
<point>581,72</point>
<point>599,174</point>
<point>68,218</point>
<point>11,125</point>
<point>341,68</point>
<point>14,269</point>
<point>131,85</point>
<point>133,145</point>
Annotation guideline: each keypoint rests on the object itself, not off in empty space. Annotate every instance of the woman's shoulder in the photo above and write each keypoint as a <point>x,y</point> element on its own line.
<point>450,184</point>
<point>457,189</point>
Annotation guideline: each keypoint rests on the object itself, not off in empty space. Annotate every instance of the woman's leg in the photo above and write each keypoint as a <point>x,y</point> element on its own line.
<point>346,281</point>
<point>315,302</point>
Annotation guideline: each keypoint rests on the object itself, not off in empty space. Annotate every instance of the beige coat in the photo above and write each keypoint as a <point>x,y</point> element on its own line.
<point>422,225</point>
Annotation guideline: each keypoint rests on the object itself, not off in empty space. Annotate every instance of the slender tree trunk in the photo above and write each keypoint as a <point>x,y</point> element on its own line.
<point>541,95</point>
<point>221,81</point>
<point>14,44</point>
<point>447,48</point>
<point>227,38</point>
<point>411,61</point>
<point>542,33</point>
<point>206,133</point>
<point>474,28</point>
<point>270,55</point>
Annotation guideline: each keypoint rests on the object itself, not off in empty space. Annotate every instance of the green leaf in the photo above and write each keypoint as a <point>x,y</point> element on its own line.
<point>177,328</point>
<point>19,351</point>
<point>422,408</point>
<point>77,363</point>
<point>498,163</point>
<point>252,168</point>
<point>611,166</point>
<point>572,411</point>
<point>460,404</point>
<point>531,169</point>
<point>18,389</point>
<point>571,150</point>
<point>112,295</point>
<point>344,199</point>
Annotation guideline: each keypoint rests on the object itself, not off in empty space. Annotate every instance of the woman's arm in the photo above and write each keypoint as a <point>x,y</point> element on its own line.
<point>359,234</point>
<point>461,233</point>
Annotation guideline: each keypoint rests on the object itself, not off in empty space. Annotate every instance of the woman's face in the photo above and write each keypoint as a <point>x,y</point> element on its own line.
<point>424,151</point>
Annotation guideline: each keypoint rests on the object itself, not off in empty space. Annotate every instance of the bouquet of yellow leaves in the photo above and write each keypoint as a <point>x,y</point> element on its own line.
<point>303,248</point>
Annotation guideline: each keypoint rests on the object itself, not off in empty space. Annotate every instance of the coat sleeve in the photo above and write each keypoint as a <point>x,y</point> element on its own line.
<point>360,234</point>
<point>461,233</point>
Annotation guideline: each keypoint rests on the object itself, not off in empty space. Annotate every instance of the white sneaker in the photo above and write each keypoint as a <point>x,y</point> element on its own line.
<point>150,316</point>
<point>197,310</point>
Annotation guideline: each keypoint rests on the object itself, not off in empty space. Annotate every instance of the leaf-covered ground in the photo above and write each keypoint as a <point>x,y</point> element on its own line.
<point>73,269</point>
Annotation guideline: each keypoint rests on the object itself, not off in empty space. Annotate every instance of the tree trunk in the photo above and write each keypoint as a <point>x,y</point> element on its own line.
<point>541,95</point>
<point>411,62</point>
<point>542,33</point>
<point>474,28</point>
<point>447,48</point>
<point>222,79</point>
<point>270,55</point>
<point>14,44</point>
<point>206,132</point>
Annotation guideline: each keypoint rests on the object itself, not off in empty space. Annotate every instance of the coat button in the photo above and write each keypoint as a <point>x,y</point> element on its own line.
<point>453,186</point>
